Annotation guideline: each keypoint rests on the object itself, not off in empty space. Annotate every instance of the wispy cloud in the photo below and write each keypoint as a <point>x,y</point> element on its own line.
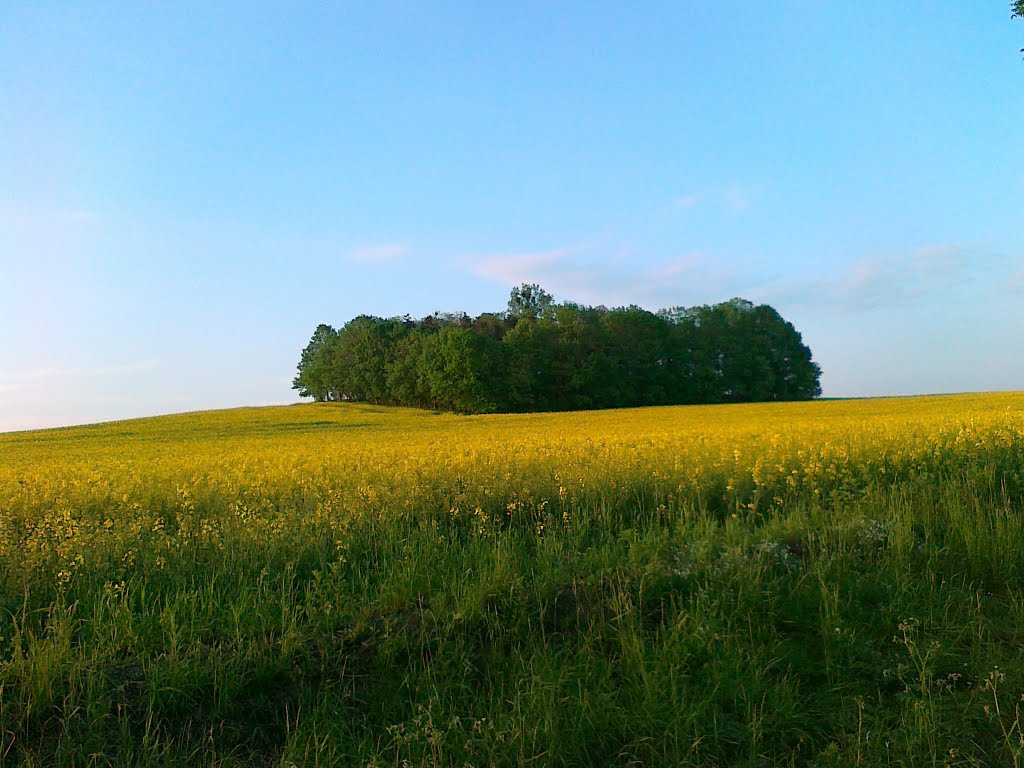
<point>737,198</point>
<point>950,272</point>
<point>10,380</point>
<point>686,202</point>
<point>576,274</point>
<point>1015,282</point>
<point>734,198</point>
<point>379,253</point>
<point>27,219</point>
<point>517,268</point>
<point>896,279</point>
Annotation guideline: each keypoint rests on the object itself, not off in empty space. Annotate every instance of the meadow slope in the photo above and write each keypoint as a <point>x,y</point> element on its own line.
<point>807,584</point>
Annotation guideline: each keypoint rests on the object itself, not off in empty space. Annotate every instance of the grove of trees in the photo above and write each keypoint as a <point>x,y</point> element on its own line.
<point>542,356</point>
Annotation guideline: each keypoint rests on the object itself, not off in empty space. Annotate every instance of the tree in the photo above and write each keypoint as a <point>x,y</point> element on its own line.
<point>490,324</point>
<point>463,371</point>
<point>531,347</point>
<point>635,340</point>
<point>405,385</point>
<point>580,366</point>
<point>314,375</point>
<point>1017,11</point>
<point>528,300</point>
<point>746,353</point>
<point>361,356</point>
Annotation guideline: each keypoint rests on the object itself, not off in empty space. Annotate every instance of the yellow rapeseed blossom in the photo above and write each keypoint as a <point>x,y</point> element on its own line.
<point>139,491</point>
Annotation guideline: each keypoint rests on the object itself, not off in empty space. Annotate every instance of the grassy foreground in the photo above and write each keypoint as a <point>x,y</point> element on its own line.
<point>815,584</point>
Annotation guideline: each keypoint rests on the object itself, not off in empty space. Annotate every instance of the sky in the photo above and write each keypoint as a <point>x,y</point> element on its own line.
<point>188,189</point>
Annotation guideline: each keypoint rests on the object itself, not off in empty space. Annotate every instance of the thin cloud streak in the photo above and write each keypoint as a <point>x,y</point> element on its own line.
<point>734,198</point>
<point>737,198</point>
<point>1015,283</point>
<point>6,378</point>
<point>686,202</point>
<point>574,275</point>
<point>517,268</point>
<point>381,253</point>
<point>31,224</point>
<point>952,272</point>
<point>898,280</point>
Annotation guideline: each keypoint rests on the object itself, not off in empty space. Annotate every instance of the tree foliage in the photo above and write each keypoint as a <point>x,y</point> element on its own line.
<point>543,356</point>
<point>314,377</point>
<point>1017,11</point>
<point>528,300</point>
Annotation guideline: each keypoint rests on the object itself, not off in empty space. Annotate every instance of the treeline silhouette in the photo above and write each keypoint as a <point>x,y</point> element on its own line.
<point>542,356</point>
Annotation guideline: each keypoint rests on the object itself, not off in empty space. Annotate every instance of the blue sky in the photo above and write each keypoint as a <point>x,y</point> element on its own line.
<point>186,190</point>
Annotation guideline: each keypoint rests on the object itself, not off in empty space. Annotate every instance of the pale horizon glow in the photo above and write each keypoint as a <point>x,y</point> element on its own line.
<point>188,191</point>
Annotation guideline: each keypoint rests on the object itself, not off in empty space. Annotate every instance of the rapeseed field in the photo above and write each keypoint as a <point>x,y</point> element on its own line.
<point>820,583</point>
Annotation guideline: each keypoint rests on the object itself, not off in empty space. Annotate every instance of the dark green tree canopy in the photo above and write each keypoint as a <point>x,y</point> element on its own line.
<point>314,377</point>
<point>543,356</point>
